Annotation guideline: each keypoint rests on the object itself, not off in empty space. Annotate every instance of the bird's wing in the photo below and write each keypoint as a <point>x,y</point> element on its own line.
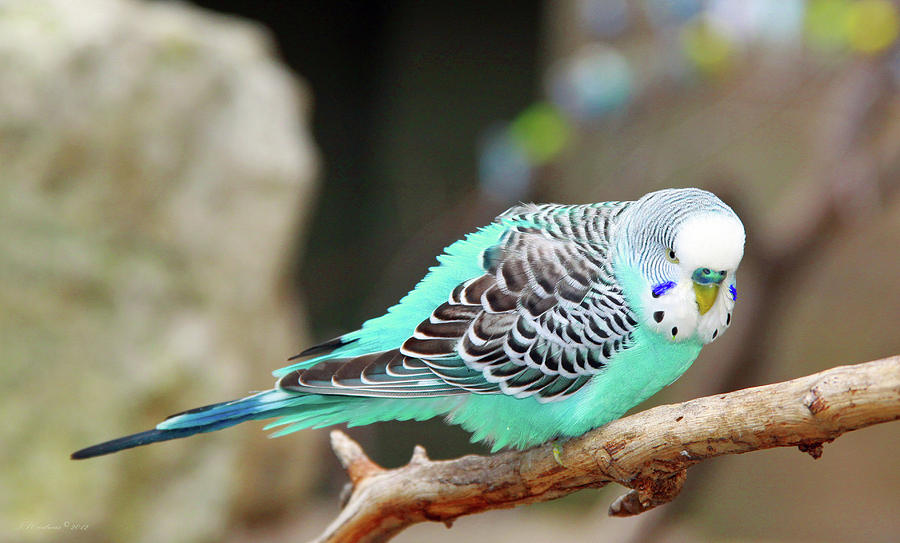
<point>545,316</point>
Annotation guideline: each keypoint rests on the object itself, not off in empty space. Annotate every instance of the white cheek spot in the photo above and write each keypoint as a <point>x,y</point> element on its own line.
<point>674,313</point>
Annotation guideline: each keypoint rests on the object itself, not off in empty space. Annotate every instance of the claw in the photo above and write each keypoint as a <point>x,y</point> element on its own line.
<point>556,453</point>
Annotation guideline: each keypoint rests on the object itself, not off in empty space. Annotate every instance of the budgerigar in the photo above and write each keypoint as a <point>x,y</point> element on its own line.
<point>551,321</point>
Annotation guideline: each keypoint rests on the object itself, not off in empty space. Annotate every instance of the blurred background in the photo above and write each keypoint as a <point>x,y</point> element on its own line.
<point>191,192</point>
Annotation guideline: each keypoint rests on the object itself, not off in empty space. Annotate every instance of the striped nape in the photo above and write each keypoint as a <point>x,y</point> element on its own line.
<point>650,225</point>
<point>586,223</point>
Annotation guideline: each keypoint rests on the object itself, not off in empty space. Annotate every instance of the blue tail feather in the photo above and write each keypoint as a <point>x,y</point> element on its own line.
<point>136,440</point>
<point>202,419</point>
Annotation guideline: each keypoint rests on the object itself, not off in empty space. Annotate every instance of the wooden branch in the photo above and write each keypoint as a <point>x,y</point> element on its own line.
<point>648,452</point>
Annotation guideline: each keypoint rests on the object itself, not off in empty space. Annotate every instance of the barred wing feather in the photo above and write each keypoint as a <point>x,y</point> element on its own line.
<point>545,317</point>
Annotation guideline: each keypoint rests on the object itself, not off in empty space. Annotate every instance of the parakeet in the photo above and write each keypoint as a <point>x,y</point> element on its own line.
<point>550,321</point>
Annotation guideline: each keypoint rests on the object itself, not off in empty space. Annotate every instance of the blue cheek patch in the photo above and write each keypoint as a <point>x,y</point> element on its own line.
<point>662,288</point>
<point>733,291</point>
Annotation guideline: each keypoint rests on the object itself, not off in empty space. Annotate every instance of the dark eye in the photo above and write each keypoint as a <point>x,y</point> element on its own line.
<point>670,256</point>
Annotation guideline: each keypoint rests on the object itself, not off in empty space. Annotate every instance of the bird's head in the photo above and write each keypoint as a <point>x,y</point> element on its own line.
<point>686,244</point>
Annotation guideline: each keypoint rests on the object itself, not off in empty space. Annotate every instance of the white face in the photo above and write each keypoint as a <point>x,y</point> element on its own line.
<point>712,240</point>
<point>707,248</point>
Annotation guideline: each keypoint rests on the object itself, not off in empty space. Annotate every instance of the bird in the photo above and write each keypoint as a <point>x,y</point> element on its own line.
<point>550,321</point>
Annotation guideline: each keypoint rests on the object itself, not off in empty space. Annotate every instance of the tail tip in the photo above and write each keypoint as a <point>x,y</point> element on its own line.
<point>126,442</point>
<point>88,452</point>
<point>82,454</point>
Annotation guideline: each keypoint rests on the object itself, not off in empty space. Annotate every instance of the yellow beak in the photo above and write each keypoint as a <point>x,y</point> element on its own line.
<point>706,296</point>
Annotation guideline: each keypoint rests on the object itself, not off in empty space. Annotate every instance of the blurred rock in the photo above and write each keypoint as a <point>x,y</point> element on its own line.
<point>155,165</point>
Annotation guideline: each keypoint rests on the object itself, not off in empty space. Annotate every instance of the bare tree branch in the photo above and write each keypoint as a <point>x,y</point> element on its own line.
<point>648,452</point>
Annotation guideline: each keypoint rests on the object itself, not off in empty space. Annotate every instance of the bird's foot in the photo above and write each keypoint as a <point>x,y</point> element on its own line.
<point>557,449</point>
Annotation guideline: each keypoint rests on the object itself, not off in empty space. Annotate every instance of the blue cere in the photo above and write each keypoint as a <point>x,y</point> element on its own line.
<point>662,288</point>
<point>705,276</point>
<point>733,291</point>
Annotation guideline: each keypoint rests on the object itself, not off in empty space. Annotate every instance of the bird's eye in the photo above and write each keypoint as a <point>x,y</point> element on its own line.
<point>670,256</point>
